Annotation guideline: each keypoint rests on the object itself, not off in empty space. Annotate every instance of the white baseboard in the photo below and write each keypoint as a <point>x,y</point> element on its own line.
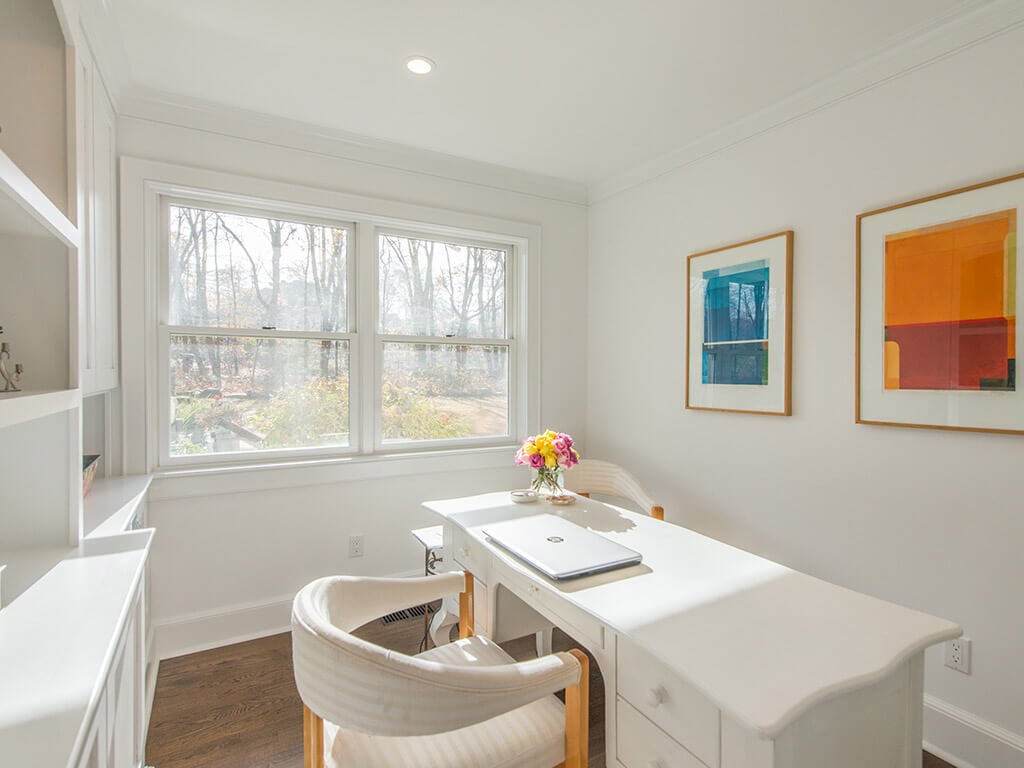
<point>236,623</point>
<point>965,740</point>
<point>212,629</point>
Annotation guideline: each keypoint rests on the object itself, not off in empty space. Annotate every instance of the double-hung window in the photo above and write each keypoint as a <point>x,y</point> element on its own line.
<point>443,345</point>
<point>286,334</point>
<point>257,343</point>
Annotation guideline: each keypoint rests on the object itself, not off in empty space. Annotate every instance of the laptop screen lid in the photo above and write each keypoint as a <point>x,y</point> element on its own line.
<point>558,548</point>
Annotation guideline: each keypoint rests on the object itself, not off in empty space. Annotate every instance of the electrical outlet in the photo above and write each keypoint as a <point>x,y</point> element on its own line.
<point>355,545</point>
<point>958,655</point>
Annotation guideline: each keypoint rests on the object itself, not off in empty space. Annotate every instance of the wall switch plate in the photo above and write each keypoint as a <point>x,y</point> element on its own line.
<point>355,545</point>
<point>958,655</point>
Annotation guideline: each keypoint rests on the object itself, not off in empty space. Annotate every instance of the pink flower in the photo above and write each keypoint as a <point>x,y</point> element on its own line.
<point>536,461</point>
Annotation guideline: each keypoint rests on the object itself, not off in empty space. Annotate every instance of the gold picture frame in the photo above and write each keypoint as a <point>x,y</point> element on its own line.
<point>739,313</point>
<point>936,306</point>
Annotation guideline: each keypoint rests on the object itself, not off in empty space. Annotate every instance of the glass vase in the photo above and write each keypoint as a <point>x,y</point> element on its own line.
<point>548,481</point>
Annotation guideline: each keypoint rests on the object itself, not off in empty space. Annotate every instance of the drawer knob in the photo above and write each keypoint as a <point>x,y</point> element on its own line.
<point>655,696</point>
<point>655,763</point>
<point>464,551</point>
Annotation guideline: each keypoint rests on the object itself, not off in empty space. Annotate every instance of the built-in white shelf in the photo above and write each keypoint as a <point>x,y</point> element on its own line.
<point>111,503</point>
<point>29,404</point>
<point>56,641</point>
<point>25,210</point>
<point>26,566</point>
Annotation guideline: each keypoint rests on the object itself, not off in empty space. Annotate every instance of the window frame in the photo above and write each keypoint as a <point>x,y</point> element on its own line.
<point>149,186</point>
<point>167,331</point>
<point>508,340</point>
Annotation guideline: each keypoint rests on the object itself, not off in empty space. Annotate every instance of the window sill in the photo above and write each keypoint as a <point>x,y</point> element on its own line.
<point>238,478</point>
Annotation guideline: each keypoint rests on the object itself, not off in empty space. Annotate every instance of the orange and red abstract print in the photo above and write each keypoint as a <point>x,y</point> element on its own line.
<point>950,297</point>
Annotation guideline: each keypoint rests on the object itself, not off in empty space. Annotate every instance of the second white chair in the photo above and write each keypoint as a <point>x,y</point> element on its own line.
<point>603,477</point>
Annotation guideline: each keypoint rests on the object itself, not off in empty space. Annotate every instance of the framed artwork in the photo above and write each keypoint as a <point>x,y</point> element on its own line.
<point>738,338</point>
<point>937,305</point>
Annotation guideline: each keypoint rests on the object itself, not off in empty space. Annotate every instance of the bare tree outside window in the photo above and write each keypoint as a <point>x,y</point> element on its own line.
<point>439,302</point>
<point>232,273</point>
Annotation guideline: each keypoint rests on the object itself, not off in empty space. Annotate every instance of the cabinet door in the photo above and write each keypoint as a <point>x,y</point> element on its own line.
<point>99,233</point>
<point>123,700</point>
<point>94,752</point>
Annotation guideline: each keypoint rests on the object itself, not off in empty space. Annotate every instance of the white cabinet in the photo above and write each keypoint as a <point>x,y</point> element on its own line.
<point>41,426</point>
<point>73,623</point>
<point>97,183</point>
<point>71,658</point>
<point>124,686</point>
<point>113,737</point>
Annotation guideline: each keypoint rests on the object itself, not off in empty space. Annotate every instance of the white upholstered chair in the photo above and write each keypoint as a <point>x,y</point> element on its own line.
<point>467,704</point>
<point>603,477</point>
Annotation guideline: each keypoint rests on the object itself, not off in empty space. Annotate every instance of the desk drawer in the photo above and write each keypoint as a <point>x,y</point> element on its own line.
<point>547,600</point>
<point>641,744</point>
<point>670,703</point>
<point>470,555</point>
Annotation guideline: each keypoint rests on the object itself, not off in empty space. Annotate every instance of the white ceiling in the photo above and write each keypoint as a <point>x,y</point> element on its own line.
<point>573,89</point>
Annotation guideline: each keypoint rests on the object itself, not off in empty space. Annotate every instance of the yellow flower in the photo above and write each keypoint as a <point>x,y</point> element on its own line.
<point>550,460</point>
<point>529,449</point>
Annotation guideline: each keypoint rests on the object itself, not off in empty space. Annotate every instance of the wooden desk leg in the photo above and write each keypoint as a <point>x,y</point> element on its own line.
<point>466,617</point>
<point>577,715</point>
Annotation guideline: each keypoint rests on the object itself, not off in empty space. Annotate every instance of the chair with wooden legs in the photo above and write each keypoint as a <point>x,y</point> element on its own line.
<point>603,477</point>
<point>466,704</point>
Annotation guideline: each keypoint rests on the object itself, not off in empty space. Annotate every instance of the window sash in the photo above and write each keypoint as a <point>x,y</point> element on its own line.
<point>412,234</point>
<point>508,341</point>
<point>400,445</point>
<point>291,214</point>
<point>165,397</point>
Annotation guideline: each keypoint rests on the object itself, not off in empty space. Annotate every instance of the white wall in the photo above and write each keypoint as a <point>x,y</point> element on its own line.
<point>931,520</point>
<point>231,552</point>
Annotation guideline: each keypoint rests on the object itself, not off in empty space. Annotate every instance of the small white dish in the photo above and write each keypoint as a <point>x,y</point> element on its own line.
<point>523,496</point>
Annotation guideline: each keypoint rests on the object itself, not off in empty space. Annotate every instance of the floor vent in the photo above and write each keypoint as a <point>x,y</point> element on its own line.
<point>402,615</point>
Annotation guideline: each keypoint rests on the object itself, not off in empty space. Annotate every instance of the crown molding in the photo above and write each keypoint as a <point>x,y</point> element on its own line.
<point>946,36</point>
<point>195,114</point>
<point>91,24</point>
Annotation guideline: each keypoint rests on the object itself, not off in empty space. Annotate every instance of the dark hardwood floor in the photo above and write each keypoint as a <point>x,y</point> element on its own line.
<point>237,706</point>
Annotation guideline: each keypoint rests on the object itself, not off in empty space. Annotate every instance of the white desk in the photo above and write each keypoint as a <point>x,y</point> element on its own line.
<point>712,656</point>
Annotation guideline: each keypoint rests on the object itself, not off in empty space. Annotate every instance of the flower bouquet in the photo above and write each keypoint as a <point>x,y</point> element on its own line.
<point>550,453</point>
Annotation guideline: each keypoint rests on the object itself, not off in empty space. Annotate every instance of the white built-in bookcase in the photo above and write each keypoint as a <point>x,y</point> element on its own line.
<point>40,427</point>
<point>74,633</point>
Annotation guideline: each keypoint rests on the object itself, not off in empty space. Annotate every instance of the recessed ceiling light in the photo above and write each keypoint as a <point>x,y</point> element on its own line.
<point>420,65</point>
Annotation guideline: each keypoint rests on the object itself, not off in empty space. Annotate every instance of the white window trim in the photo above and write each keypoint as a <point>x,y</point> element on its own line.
<point>145,183</point>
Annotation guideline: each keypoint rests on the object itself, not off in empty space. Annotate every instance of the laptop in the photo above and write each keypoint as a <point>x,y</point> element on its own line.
<point>558,548</point>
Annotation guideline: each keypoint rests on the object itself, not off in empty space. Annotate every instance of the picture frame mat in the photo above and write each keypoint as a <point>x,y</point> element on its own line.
<point>773,399</point>
<point>971,410</point>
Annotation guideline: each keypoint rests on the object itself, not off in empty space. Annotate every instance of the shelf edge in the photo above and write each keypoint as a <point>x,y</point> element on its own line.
<point>20,188</point>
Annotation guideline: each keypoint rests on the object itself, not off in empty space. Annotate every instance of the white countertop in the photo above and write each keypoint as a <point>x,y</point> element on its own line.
<point>56,644</point>
<point>762,641</point>
<point>111,503</point>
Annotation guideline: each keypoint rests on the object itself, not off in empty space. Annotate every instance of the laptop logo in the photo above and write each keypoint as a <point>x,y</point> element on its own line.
<point>555,539</point>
